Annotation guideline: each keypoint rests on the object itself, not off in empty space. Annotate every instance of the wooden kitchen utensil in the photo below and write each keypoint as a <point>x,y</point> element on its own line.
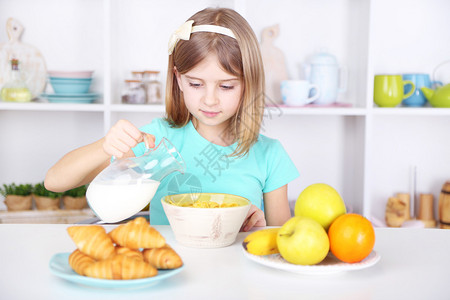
<point>444,206</point>
<point>274,65</point>
<point>396,211</point>
<point>426,210</point>
<point>32,64</point>
<point>404,197</point>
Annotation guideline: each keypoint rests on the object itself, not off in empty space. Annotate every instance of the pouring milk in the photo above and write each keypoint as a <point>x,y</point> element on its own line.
<point>126,186</point>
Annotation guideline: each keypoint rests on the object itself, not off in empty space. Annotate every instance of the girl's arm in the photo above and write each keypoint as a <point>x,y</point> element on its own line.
<point>276,206</point>
<point>80,166</point>
<point>77,167</point>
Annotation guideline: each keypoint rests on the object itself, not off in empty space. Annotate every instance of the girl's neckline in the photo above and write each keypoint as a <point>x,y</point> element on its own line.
<point>194,130</point>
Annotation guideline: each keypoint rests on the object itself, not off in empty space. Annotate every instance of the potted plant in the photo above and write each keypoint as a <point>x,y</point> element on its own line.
<point>45,199</point>
<point>17,197</point>
<point>75,198</point>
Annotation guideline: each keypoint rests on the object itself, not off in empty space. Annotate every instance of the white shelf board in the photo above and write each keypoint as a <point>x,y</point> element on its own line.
<point>273,110</point>
<point>411,111</point>
<point>43,106</point>
<point>340,111</point>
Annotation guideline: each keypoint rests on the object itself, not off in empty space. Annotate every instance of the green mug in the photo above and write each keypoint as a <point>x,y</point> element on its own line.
<point>388,90</point>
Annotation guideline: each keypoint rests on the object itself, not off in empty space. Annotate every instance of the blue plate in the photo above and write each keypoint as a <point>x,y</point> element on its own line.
<point>71,98</point>
<point>59,266</point>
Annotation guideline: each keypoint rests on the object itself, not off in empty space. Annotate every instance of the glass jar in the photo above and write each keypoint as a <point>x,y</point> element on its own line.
<point>153,87</point>
<point>15,88</point>
<point>134,92</point>
<point>138,75</point>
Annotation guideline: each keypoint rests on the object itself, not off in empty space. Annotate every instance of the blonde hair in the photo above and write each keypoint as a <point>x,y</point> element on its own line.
<point>241,57</point>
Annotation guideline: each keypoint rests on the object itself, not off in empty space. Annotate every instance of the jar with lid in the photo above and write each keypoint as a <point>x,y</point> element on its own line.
<point>15,88</point>
<point>138,75</point>
<point>153,87</point>
<point>134,92</point>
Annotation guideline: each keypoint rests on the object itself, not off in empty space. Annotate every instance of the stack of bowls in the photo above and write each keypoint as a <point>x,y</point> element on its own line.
<point>71,87</point>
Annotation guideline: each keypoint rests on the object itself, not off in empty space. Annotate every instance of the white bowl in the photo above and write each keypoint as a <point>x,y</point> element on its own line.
<point>205,227</point>
<point>71,74</point>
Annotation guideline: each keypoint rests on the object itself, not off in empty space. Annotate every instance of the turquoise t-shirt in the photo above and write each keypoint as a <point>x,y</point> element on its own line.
<point>267,167</point>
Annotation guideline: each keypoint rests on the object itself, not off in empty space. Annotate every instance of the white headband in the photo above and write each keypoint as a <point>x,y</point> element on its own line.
<point>185,30</point>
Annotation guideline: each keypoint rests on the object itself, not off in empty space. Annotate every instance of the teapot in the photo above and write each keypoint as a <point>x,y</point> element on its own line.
<point>325,72</point>
<point>439,97</point>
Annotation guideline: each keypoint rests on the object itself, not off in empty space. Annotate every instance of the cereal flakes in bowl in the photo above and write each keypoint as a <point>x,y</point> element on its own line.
<point>205,220</point>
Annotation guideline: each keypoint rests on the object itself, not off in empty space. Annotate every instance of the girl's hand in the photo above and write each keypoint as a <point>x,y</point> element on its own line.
<point>255,218</point>
<point>123,136</point>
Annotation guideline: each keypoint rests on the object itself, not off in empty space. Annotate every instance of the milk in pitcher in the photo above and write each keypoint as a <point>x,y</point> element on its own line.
<point>114,201</point>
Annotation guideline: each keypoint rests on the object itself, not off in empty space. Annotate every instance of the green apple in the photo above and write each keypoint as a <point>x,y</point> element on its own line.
<point>303,241</point>
<point>320,202</point>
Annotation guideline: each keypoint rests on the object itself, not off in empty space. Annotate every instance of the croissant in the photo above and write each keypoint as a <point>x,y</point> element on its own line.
<point>121,267</point>
<point>80,261</point>
<point>137,234</point>
<point>93,241</point>
<point>163,258</point>
<point>129,252</point>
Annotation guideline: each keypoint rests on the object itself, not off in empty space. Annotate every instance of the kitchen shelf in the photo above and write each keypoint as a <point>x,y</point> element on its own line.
<point>272,110</point>
<point>366,152</point>
<point>159,108</point>
<point>315,111</point>
<point>4,106</point>
<point>60,216</point>
<point>411,111</point>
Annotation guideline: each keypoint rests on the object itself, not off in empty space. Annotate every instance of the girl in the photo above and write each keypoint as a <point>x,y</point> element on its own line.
<point>214,110</point>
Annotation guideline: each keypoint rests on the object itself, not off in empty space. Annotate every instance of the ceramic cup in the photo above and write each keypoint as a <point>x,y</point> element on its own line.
<point>296,92</point>
<point>388,90</point>
<point>417,98</point>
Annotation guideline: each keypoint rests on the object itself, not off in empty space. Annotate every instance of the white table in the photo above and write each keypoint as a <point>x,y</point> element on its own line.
<point>415,264</point>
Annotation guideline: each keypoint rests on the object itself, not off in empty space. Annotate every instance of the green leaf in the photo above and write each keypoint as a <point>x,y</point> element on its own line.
<point>19,190</point>
<point>40,190</point>
<point>77,192</point>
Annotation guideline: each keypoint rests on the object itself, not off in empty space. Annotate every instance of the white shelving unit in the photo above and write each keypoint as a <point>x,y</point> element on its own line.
<point>365,152</point>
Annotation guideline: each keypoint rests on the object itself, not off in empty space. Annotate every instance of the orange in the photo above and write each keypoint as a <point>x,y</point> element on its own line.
<point>352,237</point>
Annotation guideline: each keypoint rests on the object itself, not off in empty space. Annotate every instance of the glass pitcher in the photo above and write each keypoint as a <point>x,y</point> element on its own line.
<point>127,185</point>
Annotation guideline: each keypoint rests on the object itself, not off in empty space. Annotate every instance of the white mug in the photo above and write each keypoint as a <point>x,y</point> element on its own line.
<point>296,92</point>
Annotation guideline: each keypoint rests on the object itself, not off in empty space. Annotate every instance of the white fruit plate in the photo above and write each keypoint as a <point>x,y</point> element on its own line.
<point>329,265</point>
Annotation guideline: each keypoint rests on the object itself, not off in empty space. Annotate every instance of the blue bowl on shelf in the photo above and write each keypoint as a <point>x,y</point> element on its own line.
<point>70,85</point>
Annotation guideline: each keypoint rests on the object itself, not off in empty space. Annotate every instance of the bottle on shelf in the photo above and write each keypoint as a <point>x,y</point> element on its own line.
<point>15,89</point>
